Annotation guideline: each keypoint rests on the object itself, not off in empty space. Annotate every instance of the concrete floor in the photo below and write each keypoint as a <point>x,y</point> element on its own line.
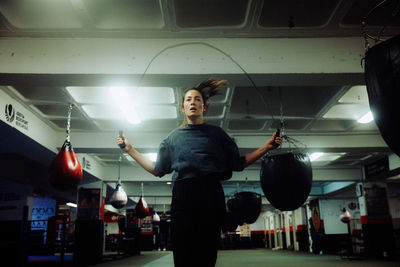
<point>253,258</point>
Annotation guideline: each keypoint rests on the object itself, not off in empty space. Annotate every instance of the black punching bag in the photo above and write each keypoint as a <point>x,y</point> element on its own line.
<point>246,206</point>
<point>230,222</point>
<point>65,169</point>
<point>286,179</point>
<point>382,77</point>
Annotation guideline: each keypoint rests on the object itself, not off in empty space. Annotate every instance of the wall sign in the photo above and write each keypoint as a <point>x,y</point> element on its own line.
<point>12,115</point>
<point>375,168</point>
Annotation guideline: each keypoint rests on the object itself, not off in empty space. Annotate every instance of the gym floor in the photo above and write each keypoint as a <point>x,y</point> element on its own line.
<point>232,258</point>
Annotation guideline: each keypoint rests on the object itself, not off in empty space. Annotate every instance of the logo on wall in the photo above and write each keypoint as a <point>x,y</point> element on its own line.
<point>85,163</point>
<point>352,206</point>
<point>10,113</point>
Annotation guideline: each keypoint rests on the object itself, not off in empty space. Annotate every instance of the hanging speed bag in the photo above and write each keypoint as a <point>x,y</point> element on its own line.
<point>286,179</point>
<point>65,169</point>
<point>141,209</point>
<point>246,206</point>
<point>119,198</point>
<point>382,77</point>
<point>345,216</point>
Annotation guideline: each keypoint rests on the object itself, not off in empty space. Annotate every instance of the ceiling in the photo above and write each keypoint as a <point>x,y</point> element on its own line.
<point>319,109</point>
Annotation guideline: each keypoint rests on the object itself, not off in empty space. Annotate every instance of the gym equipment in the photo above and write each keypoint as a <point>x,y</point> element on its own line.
<point>151,211</point>
<point>345,216</point>
<point>286,179</point>
<point>278,134</point>
<point>142,210</point>
<point>156,217</point>
<point>246,206</point>
<point>121,134</point>
<point>65,169</point>
<point>230,222</point>
<point>119,198</point>
<point>382,77</point>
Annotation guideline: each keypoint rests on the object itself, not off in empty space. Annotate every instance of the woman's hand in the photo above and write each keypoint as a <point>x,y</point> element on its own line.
<point>274,142</point>
<point>138,157</point>
<point>128,145</point>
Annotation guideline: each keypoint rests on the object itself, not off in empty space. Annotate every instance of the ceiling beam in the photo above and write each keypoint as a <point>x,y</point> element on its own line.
<point>106,141</point>
<point>132,56</point>
<point>130,174</point>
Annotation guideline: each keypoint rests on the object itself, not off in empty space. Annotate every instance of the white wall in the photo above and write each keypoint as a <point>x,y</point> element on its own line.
<point>331,209</point>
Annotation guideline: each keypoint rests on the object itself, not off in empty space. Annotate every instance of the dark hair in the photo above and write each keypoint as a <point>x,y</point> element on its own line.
<point>207,88</point>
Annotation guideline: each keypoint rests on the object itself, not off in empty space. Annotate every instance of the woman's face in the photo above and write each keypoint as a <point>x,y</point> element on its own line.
<point>193,104</point>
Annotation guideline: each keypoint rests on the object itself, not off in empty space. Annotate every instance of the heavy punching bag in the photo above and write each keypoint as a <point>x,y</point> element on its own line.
<point>286,179</point>
<point>141,209</point>
<point>119,198</point>
<point>345,216</point>
<point>246,206</point>
<point>230,222</point>
<point>382,77</point>
<point>156,217</point>
<point>65,169</point>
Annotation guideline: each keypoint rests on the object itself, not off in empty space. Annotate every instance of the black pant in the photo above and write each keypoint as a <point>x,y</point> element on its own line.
<point>198,209</point>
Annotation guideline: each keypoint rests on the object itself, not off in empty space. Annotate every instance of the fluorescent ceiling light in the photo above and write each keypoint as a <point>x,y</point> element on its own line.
<point>151,156</point>
<point>128,157</point>
<point>346,111</point>
<point>71,204</point>
<point>155,95</point>
<point>325,157</point>
<point>124,103</point>
<point>356,94</point>
<point>314,156</point>
<point>366,118</point>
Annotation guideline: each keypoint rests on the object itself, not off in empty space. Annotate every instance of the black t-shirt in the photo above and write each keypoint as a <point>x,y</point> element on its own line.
<point>198,150</point>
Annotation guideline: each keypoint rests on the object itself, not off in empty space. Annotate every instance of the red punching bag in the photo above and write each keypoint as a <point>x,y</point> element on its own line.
<point>141,208</point>
<point>65,169</point>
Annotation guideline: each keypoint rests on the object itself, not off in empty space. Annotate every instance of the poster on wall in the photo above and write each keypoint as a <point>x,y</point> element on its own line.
<point>316,222</point>
<point>245,230</point>
<point>88,204</point>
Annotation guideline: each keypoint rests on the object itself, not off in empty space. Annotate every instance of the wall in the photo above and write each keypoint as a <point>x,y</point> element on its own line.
<point>330,213</point>
<point>13,197</point>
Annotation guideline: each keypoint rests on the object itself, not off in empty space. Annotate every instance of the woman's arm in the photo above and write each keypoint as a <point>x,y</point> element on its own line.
<point>258,153</point>
<point>138,157</point>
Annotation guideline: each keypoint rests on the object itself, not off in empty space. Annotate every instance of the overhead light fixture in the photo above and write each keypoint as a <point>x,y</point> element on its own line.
<point>366,118</point>
<point>169,183</point>
<point>124,103</point>
<point>314,156</point>
<point>151,156</point>
<point>71,204</point>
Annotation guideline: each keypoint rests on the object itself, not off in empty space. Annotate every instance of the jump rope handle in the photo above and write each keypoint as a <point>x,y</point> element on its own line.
<point>121,134</point>
<point>278,133</point>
